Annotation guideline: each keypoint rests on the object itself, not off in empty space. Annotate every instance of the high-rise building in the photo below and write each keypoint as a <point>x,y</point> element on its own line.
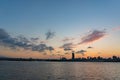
<point>73,56</point>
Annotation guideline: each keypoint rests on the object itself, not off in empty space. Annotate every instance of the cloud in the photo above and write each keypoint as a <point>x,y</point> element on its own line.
<point>66,53</point>
<point>67,39</point>
<point>34,39</point>
<point>89,47</point>
<point>58,52</point>
<point>21,42</point>
<point>22,39</point>
<point>67,49</point>
<point>42,48</point>
<point>93,36</point>
<point>99,52</point>
<point>67,46</point>
<point>81,52</point>
<point>43,42</point>
<point>49,35</point>
<point>60,55</point>
<point>50,48</point>
<point>13,43</point>
<point>116,29</point>
<point>3,34</point>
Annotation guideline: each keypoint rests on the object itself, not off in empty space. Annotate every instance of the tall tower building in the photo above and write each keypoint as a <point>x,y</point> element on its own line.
<point>73,56</point>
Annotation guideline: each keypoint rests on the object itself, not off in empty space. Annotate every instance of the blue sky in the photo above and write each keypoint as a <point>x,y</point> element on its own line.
<point>59,15</point>
<point>67,18</point>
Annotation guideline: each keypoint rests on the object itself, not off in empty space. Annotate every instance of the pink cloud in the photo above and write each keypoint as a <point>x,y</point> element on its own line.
<point>93,36</point>
<point>116,29</point>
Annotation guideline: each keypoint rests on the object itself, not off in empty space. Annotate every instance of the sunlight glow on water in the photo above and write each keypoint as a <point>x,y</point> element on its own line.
<point>59,70</point>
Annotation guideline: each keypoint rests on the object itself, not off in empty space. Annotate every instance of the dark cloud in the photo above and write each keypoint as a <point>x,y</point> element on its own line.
<point>42,48</point>
<point>81,52</point>
<point>43,42</point>
<point>67,46</point>
<point>34,39</point>
<point>67,39</point>
<point>3,34</point>
<point>89,47</point>
<point>49,35</point>
<point>23,39</point>
<point>22,42</point>
<point>67,49</point>
<point>93,36</point>
<point>7,40</point>
<point>50,48</point>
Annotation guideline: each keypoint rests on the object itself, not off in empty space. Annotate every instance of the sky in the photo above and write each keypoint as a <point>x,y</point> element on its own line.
<point>55,28</point>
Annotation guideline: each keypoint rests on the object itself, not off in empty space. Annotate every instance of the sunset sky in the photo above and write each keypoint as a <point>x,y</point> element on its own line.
<point>54,28</point>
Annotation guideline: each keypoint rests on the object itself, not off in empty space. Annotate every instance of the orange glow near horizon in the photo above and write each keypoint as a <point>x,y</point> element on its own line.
<point>106,50</point>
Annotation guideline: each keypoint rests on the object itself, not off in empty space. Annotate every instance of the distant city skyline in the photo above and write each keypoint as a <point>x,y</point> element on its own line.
<point>54,28</point>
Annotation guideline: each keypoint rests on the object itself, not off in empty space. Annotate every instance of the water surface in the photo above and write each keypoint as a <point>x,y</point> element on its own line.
<point>18,70</point>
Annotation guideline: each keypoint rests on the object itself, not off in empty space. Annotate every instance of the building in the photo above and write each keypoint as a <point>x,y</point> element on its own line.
<point>73,56</point>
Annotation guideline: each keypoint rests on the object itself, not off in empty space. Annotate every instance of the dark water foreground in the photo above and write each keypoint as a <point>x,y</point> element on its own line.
<point>18,70</point>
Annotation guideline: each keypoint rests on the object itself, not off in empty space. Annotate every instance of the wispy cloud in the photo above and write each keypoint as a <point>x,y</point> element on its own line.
<point>67,49</point>
<point>67,46</point>
<point>67,39</point>
<point>93,36</point>
<point>49,35</point>
<point>116,28</point>
<point>81,52</point>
